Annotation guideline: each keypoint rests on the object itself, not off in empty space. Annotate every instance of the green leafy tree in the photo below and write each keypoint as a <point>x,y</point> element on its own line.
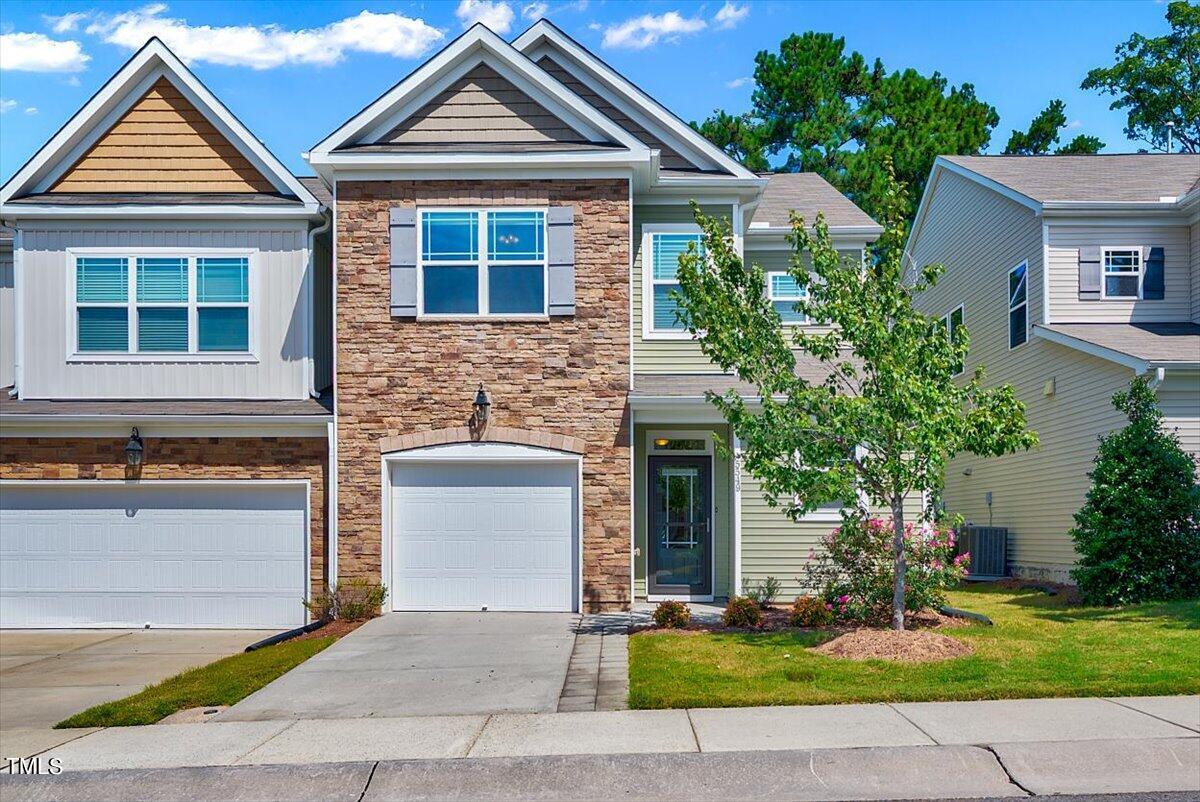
<point>738,136</point>
<point>888,417</point>
<point>1157,80</point>
<point>1138,532</point>
<point>1043,134</point>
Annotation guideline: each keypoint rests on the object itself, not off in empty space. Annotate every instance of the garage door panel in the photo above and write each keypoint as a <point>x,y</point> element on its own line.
<point>169,555</point>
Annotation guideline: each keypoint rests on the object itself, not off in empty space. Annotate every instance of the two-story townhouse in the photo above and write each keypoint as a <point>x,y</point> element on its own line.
<point>1072,275</point>
<point>165,417</point>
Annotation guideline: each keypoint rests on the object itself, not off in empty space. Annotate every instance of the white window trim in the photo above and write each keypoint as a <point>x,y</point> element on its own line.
<point>482,264</point>
<point>710,452</point>
<point>648,281</point>
<point>1009,308</point>
<point>963,308</point>
<point>131,255</point>
<point>772,299</point>
<point>1104,274</point>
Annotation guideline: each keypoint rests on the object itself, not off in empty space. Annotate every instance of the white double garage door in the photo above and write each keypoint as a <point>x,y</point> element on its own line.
<point>118,554</point>
<point>483,535</point>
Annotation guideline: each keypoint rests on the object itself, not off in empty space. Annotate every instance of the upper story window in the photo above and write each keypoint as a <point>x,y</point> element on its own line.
<point>174,304</point>
<point>661,276</point>
<point>1122,273</point>
<point>953,322</point>
<point>483,262</point>
<point>783,291</point>
<point>1018,305</point>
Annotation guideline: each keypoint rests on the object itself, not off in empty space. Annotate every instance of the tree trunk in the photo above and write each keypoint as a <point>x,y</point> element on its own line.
<point>900,565</point>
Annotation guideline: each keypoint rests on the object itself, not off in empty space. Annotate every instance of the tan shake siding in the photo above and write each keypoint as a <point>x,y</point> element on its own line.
<point>564,376</point>
<point>162,144</point>
<point>722,507</point>
<point>1065,306</point>
<point>190,458</point>
<point>482,106</point>
<point>1179,400</point>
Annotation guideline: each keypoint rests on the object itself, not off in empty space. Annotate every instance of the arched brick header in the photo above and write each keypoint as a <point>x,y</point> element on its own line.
<point>492,434</point>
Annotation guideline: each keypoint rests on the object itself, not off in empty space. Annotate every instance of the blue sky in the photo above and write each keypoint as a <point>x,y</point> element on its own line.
<point>293,71</point>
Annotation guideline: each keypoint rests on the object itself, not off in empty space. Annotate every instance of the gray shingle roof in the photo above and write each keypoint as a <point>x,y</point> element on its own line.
<point>1152,342</point>
<point>695,385</point>
<point>1117,178</point>
<point>807,194</point>
<point>316,186</point>
<point>150,407</point>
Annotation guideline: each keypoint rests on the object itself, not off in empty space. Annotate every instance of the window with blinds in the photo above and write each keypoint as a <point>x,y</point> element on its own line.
<point>162,304</point>
<point>665,250</point>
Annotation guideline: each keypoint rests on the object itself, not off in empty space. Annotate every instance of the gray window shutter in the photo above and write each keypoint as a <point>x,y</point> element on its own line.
<point>403,228</point>
<point>1089,273</point>
<point>1153,284</point>
<point>560,250</point>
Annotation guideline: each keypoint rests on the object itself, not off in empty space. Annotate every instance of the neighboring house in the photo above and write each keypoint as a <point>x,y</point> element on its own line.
<point>506,218</point>
<point>1072,275</point>
<point>165,279</point>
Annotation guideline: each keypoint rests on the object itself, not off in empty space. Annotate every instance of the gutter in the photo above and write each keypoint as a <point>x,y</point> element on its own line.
<point>16,418</point>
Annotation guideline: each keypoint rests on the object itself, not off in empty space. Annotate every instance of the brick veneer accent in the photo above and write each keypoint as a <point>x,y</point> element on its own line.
<point>568,376</point>
<point>490,434</point>
<point>182,458</point>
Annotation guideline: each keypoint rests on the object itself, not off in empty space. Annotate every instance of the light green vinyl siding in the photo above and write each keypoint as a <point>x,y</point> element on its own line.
<point>722,507</point>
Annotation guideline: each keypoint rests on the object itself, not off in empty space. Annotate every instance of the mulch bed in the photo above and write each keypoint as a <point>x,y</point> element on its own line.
<point>905,646</point>
<point>336,629</point>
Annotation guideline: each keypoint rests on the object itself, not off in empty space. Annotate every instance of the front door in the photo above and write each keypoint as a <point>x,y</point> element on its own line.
<point>680,526</point>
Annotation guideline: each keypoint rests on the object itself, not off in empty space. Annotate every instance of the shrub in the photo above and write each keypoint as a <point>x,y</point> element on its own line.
<point>1138,532</point>
<point>742,612</point>
<point>808,611</point>
<point>672,615</point>
<point>350,600</point>
<point>765,592</point>
<point>855,570</point>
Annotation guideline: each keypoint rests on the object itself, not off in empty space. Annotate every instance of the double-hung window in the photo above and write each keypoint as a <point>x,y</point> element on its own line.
<point>1122,273</point>
<point>483,263</point>
<point>168,304</point>
<point>1018,305</point>
<point>953,322</point>
<point>783,291</point>
<point>662,279</point>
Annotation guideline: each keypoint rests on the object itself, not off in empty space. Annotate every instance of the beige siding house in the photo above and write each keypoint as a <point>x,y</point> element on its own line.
<point>1073,275</point>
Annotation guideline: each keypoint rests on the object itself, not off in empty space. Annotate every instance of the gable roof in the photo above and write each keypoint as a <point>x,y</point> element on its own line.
<point>807,194</point>
<point>1103,178</point>
<point>131,84</point>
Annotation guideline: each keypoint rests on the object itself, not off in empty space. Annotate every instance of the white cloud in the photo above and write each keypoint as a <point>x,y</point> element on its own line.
<point>35,52</point>
<point>496,15</point>
<point>730,15</point>
<point>535,11</point>
<point>638,33</point>
<point>1075,124</point>
<point>267,46</point>
<point>67,22</point>
<point>737,82</point>
<point>31,110</point>
<point>595,26</point>
<point>7,105</point>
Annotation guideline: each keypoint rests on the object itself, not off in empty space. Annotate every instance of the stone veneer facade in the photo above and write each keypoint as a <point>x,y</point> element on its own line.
<point>565,376</point>
<point>190,458</point>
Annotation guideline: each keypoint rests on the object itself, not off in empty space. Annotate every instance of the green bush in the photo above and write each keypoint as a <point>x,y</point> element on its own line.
<point>808,611</point>
<point>351,600</point>
<point>742,612</point>
<point>765,592</point>
<point>672,615</point>
<point>854,571</point>
<point>1138,532</point>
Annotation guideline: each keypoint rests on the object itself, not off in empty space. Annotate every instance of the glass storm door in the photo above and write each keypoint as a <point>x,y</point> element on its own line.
<point>680,526</point>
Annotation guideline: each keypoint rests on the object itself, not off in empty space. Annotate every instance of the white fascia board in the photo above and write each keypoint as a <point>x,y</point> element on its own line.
<point>514,161</point>
<point>165,425</point>
<point>529,172</point>
<point>154,60</point>
<point>477,38</point>
<point>1099,351</point>
<point>543,29</point>
<point>25,211</point>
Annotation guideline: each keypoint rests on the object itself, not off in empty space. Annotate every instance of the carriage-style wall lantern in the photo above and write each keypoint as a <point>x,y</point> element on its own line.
<point>134,450</point>
<point>482,405</point>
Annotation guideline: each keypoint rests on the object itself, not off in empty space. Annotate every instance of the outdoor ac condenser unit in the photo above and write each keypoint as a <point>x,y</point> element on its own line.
<point>988,547</point>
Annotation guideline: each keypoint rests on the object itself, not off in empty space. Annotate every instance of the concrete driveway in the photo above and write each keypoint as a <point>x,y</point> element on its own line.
<point>47,675</point>
<point>421,664</point>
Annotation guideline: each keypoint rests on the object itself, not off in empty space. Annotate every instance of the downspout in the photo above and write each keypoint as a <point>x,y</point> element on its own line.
<point>331,493</point>
<point>313,233</point>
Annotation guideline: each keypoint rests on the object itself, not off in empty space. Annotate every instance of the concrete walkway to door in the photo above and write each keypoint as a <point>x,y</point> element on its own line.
<point>425,664</point>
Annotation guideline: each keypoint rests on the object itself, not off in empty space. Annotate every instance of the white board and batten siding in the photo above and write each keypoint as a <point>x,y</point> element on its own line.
<point>8,331</point>
<point>280,313</point>
<point>1063,247</point>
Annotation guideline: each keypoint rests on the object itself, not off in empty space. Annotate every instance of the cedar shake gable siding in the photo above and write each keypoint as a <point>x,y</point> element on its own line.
<point>566,376</point>
<point>162,144</point>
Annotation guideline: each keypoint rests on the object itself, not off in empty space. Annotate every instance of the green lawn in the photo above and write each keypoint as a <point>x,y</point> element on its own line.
<point>221,683</point>
<point>1038,647</point>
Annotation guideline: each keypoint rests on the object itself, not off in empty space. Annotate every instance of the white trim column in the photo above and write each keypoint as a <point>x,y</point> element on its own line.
<point>736,467</point>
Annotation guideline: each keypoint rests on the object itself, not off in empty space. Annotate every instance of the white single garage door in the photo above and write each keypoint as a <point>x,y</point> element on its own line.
<point>158,553</point>
<point>484,536</point>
